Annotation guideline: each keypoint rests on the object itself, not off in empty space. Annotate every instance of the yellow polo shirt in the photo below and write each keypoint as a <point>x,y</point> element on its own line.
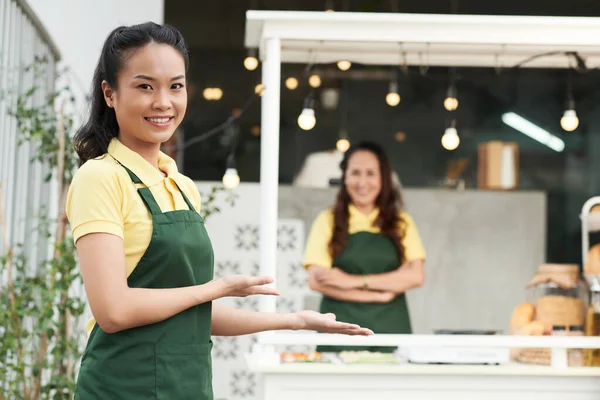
<point>103,199</point>
<point>317,244</point>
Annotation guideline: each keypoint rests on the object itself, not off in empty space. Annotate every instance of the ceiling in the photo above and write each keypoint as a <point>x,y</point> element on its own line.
<point>221,24</point>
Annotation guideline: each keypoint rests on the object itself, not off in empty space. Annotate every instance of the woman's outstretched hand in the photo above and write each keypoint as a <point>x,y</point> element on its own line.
<point>243,285</point>
<point>326,323</point>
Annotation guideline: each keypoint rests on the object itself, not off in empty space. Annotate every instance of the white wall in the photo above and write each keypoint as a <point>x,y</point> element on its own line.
<point>79,29</point>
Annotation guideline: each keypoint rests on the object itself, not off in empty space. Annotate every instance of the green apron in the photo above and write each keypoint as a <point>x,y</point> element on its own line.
<point>168,360</point>
<point>368,253</point>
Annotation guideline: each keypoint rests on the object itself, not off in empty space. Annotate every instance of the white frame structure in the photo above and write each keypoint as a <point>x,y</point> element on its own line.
<point>396,39</point>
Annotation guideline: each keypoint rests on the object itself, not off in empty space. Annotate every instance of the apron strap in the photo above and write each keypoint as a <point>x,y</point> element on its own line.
<point>187,201</point>
<point>144,192</point>
<point>147,196</point>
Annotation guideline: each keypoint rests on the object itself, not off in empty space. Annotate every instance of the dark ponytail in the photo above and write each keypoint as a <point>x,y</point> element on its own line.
<point>92,139</point>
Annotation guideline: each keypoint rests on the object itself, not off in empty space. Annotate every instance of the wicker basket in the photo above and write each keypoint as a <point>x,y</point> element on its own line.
<point>532,356</point>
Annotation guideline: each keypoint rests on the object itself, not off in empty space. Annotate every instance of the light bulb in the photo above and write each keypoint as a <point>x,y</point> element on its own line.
<point>344,65</point>
<point>451,103</point>
<point>569,121</point>
<point>307,119</point>
<point>231,179</point>
<point>450,139</point>
<point>291,83</point>
<point>258,89</point>
<point>212,93</point>
<point>314,80</point>
<point>392,99</point>
<point>342,145</point>
<point>250,63</point>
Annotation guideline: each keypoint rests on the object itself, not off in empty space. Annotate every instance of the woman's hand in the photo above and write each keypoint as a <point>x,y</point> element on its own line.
<point>326,323</point>
<point>385,297</point>
<point>335,277</point>
<point>242,286</point>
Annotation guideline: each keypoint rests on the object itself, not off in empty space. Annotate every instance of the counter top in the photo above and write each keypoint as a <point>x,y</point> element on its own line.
<point>510,369</point>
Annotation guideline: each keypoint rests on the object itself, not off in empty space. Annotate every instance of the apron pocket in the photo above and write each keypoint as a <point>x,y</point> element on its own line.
<point>183,371</point>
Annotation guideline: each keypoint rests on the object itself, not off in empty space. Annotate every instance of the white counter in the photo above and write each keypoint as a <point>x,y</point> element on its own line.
<point>512,381</point>
<point>426,382</point>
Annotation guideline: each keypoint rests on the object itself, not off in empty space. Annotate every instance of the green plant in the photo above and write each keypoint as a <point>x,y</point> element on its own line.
<point>208,207</point>
<point>40,305</point>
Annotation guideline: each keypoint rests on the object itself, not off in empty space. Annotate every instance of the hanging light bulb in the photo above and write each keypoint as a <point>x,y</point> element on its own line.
<point>251,62</point>
<point>450,139</point>
<point>329,6</point>
<point>314,80</point>
<point>393,98</point>
<point>344,65</point>
<point>307,119</point>
<point>569,121</point>
<point>451,100</point>
<point>217,93</point>
<point>231,179</point>
<point>291,83</point>
<point>343,144</point>
<point>212,93</point>
<point>258,89</point>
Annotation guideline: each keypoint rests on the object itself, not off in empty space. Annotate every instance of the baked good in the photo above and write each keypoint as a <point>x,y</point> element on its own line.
<point>521,316</point>
<point>592,263</point>
<point>536,328</point>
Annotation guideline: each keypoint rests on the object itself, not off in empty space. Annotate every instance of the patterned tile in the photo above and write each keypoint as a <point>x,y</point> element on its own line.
<point>286,305</point>
<point>243,384</point>
<point>296,276</point>
<point>246,303</point>
<point>246,237</point>
<point>287,238</point>
<point>225,267</point>
<point>225,347</point>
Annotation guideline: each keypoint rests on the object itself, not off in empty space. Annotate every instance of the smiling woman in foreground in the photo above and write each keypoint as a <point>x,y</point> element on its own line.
<point>364,254</point>
<point>145,255</point>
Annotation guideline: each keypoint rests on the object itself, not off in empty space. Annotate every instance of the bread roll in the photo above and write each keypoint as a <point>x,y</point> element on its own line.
<point>592,264</point>
<point>521,316</point>
<point>536,328</point>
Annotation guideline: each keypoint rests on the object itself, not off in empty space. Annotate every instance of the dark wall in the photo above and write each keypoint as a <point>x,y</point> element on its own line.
<point>569,177</point>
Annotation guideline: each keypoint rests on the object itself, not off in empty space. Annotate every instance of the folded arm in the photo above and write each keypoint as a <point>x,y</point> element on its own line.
<point>345,294</point>
<point>408,276</point>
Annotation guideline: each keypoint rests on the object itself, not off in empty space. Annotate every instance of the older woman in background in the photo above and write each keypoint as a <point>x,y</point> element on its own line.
<point>365,253</point>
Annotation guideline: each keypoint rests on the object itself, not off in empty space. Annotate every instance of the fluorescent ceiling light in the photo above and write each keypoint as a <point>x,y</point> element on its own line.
<point>533,131</point>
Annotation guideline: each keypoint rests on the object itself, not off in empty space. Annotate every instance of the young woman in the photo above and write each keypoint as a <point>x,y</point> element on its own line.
<point>146,258</point>
<point>365,253</point>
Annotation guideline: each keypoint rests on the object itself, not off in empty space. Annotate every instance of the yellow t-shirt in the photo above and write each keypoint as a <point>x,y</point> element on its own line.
<point>103,199</point>
<point>317,244</point>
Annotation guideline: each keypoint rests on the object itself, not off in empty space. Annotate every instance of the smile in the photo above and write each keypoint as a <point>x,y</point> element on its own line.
<point>159,121</point>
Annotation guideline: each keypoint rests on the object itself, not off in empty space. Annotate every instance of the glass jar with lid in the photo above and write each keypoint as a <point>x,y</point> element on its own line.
<point>559,295</point>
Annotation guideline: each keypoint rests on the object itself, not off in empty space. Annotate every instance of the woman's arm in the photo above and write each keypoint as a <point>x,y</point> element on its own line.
<point>228,321</point>
<point>345,294</point>
<point>409,276</point>
<point>117,307</point>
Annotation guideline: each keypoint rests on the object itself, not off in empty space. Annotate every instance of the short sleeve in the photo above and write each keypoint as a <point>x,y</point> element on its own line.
<point>413,246</point>
<point>317,243</point>
<point>94,201</point>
